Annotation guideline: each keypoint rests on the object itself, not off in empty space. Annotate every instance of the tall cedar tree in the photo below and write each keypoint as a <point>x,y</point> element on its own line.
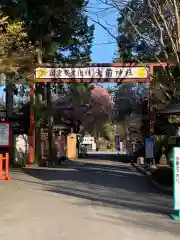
<point>139,39</point>
<point>60,28</point>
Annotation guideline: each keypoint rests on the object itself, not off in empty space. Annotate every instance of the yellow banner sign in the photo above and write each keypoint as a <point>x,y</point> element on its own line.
<point>92,73</point>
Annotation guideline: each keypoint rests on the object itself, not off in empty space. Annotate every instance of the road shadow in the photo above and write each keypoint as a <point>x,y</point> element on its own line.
<point>130,195</point>
<point>109,156</point>
<point>95,165</point>
<point>90,173</point>
<point>118,186</point>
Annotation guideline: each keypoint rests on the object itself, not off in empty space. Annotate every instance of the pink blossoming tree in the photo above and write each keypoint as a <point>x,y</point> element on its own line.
<point>89,105</point>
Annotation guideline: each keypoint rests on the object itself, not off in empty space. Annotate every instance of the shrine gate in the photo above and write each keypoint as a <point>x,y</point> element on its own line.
<point>116,72</point>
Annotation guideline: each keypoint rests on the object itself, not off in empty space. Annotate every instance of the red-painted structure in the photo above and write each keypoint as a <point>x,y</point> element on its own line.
<point>150,69</point>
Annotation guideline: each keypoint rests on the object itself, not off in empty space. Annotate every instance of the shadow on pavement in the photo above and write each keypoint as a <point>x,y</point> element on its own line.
<point>131,195</point>
<point>119,186</point>
<point>96,174</point>
<point>109,156</point>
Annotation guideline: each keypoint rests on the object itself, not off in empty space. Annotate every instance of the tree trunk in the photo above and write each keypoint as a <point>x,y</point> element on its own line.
<point>50,122</point>
<point>38,155</point>
<point>38,151</point>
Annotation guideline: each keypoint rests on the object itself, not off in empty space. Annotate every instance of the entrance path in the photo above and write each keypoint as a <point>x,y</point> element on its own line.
<point>84,202</point>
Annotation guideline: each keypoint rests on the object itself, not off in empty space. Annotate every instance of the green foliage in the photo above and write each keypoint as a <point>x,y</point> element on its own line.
<point>80,93</point>
<point>134,45</point>
<point>143,37</point>
<point>174,119</point>
<point>41,116</point>
<point>15,50</point>
<point>149,30</point>
<point>108,131</point>
<point>59,29</point>
<point>128,98</point>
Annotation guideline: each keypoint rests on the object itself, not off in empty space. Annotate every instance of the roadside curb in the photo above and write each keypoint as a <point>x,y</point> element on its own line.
<point>162,188</point>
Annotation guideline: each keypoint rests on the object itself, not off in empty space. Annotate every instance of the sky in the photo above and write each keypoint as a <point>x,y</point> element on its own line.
<point>104,45</point>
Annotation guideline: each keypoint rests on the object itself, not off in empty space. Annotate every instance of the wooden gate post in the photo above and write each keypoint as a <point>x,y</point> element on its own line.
<point>32,128</point>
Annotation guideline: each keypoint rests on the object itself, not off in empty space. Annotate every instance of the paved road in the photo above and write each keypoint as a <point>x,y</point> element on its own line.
<point>84,201</point>
<point>106,155</point>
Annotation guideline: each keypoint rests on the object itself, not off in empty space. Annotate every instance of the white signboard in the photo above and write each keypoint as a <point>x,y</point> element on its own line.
<point>4,134</point>
<point>87,140</point>
<point>92,73</point>
<point>176,161</point>
<point>149,147</point>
